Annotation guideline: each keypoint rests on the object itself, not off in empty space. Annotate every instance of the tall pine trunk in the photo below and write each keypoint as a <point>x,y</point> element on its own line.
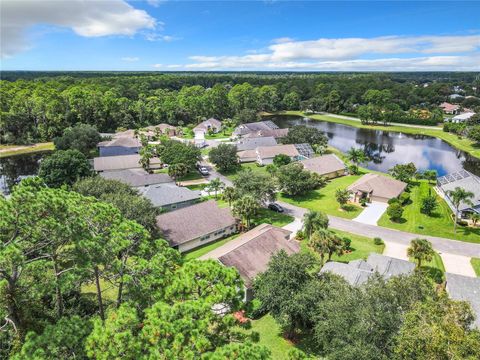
<point>58,290</point>
<point>99,294</point>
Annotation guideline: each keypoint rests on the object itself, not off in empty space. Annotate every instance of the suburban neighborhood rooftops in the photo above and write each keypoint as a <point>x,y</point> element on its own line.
<point>163,128</point>
<point>121,162</point>
<point>209,124</point>
<point>253,143</point>
<point>194,221</point>
<point>464,288</point>
<point>324,164</point>
<point>359,271</point>
<point>168,194</point>
<point>267,152</point>
<point>276,133</point>
<point>244,129</point>
<point>136,177</point>
<point>305,150</point>
<point>465,180</point>
<point>246,155</point>
<point>123,141</point>
<point>250,253</point>
<point>463,117</point>
<point>378,185</point>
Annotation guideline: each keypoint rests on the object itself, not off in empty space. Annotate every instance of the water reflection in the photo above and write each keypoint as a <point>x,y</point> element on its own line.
<point>15,168</point>
<point>387,149</point>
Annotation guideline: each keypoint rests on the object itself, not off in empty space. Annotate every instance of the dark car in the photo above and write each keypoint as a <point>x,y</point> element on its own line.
<point>276,207</point>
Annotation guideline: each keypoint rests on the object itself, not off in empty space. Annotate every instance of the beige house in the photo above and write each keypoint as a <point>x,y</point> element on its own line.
<point>196,225</point>
<point>209,125</point>
<point>251,252</point>
<point>375,187</point>
<point>329,166</point>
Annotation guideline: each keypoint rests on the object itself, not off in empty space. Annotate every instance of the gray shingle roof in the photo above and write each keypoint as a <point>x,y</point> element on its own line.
<point>168,194</point>
<point>136,177</point>
<point>194,221</point>
<point>253,143</point>
<point>358,271</point>
<point>254,127</point>
<point>120,162</point>
<point>465,180</point>
<point>467,289</point>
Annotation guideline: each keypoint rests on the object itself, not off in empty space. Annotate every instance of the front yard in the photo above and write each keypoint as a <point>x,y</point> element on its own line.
<point>476,265</point>
<point>324,199</point>
<point>438,224</point>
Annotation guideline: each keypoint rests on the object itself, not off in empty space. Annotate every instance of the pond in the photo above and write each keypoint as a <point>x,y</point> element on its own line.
<point>386,149</point>
<point>15,168</point>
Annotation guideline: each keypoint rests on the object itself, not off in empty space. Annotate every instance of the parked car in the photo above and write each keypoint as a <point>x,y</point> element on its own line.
<point>203,170</point>
<point>276,207</point>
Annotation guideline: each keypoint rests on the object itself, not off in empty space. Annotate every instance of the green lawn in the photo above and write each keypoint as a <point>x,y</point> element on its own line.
<point>435,268</point>
<point>476,265</point>
<point>324,199</point>
<point>361,247</point>
<point>11,150</point>
<point>253,166</point>
<point>460,143</point>
<point>196,253</point>
<point>439,224</point>
<point>272,217</point>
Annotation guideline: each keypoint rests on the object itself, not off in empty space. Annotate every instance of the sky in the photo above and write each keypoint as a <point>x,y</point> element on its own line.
<point>159,35</point>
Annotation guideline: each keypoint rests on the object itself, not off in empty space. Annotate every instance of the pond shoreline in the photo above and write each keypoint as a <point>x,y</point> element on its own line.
<point>13,150</point>
<point>452,139</point>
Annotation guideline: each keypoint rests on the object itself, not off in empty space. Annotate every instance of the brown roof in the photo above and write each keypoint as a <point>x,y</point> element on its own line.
<point>136,177</point>
<point>213,123</point>
<point>449,107</point>
<point>247,154</point>
<point>266,152</point>
<point>250,253</point>
<point>325,164</point>
<point>378,185</point>
<point>121,162</point>
<point>194,221</point>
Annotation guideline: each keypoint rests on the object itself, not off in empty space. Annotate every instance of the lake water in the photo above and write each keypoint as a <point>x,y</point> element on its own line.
<point>15,168</point>
<point>387,149</point>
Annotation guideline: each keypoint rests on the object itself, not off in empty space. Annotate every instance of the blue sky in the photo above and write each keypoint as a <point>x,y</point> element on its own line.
<point>263,35</point>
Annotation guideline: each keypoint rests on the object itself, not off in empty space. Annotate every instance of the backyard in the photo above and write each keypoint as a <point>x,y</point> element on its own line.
<point>439,223</point>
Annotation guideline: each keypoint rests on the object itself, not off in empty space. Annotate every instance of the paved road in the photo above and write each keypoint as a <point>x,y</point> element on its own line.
<point>442,245</point>
<point>395,124</point>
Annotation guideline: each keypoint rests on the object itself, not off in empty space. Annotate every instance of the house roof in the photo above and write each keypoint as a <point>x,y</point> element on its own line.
<point>168,194</point>
<point>324,164</point>
<point>267,152</point>
<point>305,150</point>
<point>358,272</point>
<point>247,128</point>
<point>464,288</point>
<point>465,180</point>
<point>276,133</point>
<point>121,162</point>
<point>164,128</point>
<point>250,253</point>
<point>247,154</point>
<point>378,185</point>
<point>449,107</point>
<point>136,177</point>
<point>123,141</point>
<point>194,221</point>
<point>213,123</point>
<point>253,143</point>
<point>464,116</point>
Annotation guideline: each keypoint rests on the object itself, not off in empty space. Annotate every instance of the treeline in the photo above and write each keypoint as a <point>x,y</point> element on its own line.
<point>39,107</point>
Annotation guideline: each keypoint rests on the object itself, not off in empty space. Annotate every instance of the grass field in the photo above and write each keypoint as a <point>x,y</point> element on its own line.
<point>460,143</point>
<point>361,247</point>
<point>252,166</point>
<point>476,265</point>
<point>196,253</point>
<point>435,268</point>
<point>324,199</point>
<point>439,224</point>
<point>11,150</point>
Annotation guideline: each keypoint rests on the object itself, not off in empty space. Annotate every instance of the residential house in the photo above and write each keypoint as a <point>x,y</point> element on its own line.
<point>329,166</point>
<point>467,181</point>
<point>211,124</point>
<point>464,288</point>
<point>357,272</point>
<point>376,187</point>
<point>456,97</point>
<point>252,143</point>
<point>136,177</point>
<point>196,225</point>
<point>163,129</point>
<point>275,133</point>
<point>119,145</point>
<point>254,127</point>
<point>266,154</point>
<point>251,252</point>
<point>462,117</point>
<point>110,163</point>
<point>449,108</point>
<point>169,196</point>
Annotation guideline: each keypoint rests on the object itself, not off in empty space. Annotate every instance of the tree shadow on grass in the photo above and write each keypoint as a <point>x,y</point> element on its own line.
<point>433,273</point>
<point>399,221</point>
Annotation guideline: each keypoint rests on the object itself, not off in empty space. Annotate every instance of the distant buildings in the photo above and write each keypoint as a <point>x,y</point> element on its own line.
<point>375,187</point>
<point>462,117</point>
<point>206,126</point>
<point>448,108</point>
<point>467,181</point>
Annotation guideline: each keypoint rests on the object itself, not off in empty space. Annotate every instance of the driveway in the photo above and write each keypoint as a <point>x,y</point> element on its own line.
<point>372,213</point>
<point>395,250</point>
<point>458,264</point>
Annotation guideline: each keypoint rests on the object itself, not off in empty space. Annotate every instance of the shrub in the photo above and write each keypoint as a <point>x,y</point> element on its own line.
<point>377,241</point>
<point>254,309</point>
<point>429,204</point>
<point>347,242</point>
<point>404,198</point>
<point>363,202</point>
<point>393,201</point>
<point>395,211</point>
<point>300,235</point>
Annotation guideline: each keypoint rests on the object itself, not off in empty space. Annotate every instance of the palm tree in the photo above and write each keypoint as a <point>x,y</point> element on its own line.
<point>356,156</point>
<point>324,242</point>
<point>245,208</point>
<point>229,195</point>
<point>176,171</point>
<point>146,153</point>
<point>314,220</point>
<point>457,197</point>
<point>215,185</point>
<point>475,219</point>
<point>421,250</point>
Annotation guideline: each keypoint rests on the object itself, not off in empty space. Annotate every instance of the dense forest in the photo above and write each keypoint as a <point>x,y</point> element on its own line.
<point>39,106</point>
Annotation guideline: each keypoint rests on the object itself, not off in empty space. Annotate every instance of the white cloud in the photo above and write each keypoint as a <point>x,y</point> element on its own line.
<point>130,58</point>
<point>155,3</point>
<point>160,37</point>
<point>395,53</point>
<point>86,18</point>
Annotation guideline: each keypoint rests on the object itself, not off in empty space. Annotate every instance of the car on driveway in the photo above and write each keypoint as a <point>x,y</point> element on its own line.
<point>203,170</point>
<point>275,207</point>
